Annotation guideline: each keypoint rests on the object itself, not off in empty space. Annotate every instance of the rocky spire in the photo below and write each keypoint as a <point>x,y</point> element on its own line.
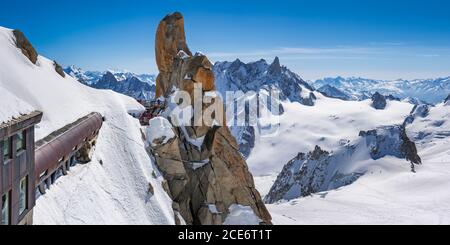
<point>206,175</point>
<point>275,67</point>
<point>170,40</point>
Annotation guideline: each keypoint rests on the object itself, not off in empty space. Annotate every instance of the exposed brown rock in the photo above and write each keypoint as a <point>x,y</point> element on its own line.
<point>84,155</point>
<point>59,69</point>
<point>215,174</point>
<point>170,39</point>
<point>23,44</point>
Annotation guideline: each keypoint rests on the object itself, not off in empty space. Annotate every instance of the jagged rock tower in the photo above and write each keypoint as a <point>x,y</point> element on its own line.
<point>209,180</point>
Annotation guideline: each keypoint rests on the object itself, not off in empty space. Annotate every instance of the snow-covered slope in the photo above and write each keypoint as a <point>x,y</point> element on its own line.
<point>431,132</point>
<point>428,90</point>
<point>114,187</point>
<point>389,193</point>
<point>320,170</point>
<point>330,123</point>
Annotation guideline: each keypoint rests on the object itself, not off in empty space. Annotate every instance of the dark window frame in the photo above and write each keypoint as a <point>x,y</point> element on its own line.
<point>23,146</point>
<point>7,142</point>
<point>8,202</point>
<point>25,209</point>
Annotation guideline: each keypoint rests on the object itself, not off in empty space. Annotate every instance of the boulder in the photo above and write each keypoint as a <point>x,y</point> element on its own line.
<point>59,69</point>
<point>25,46</point>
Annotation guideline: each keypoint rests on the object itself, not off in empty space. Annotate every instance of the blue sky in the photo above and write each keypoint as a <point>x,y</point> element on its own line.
<point>375,39</point>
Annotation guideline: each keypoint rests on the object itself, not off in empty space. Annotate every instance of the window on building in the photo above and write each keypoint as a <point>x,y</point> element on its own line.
<point>20,142</point>
<point>23,197</point>
<point>6,151</point>
<point>5,209</point>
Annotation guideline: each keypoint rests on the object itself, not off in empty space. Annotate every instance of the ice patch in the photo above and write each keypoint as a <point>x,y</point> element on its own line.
<point>213,209</point>
<point>241,215</point>
<point>159,129</point>
<point>183,55</point>
<point>197,165</point>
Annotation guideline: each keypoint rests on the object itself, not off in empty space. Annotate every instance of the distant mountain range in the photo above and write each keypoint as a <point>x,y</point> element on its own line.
<point>258,75</point>
<point>138,86</point>
<point>419,90</point>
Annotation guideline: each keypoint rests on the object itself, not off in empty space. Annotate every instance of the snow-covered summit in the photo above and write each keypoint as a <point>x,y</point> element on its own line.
<point>254,76</point>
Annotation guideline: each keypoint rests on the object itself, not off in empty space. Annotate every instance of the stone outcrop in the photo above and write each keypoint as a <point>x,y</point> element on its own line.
<point>379,101</point>
<point>419,111</point>
<point>59,69</point>
<point>25,46</point>
<point>447,99</point>
<point>84,154</point>
<point>205,172</point>
<point>391,141</point>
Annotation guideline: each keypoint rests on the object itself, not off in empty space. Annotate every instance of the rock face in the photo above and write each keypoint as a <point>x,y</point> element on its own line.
<point>84,155</point>
<point>259,75</point>
<point>391,141</point>
<point>170,39</point>
<point>447,99</point>
<point>172,53</point>
<point>207,176</point>
<point>23,44</point>
<point>379,101</point>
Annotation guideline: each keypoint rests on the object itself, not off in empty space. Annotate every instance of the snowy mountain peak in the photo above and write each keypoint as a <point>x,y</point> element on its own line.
<point>254,76</point>
<point>275,67</point>
<point>109,77</point>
